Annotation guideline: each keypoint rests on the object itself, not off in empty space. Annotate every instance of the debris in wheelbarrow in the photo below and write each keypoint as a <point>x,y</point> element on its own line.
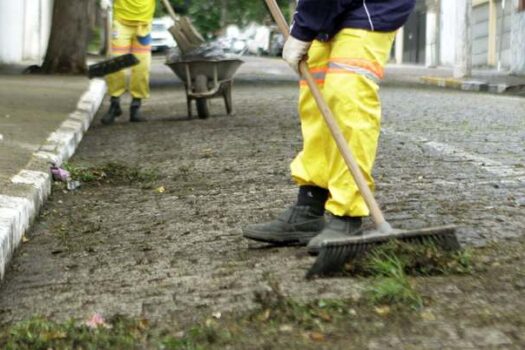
<point>208,51</point>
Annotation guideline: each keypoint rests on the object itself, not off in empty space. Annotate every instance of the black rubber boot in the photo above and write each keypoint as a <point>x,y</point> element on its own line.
<point>134,111</point>
<point>114,111</point>
<point>297,225</point>
<point>336,227</point>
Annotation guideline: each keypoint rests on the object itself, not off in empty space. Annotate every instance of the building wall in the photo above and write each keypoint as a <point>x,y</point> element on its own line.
<point>503,32</point>
<point>497,43</point>
<point>447,35</point>
<point>11,32</point>
<point>24,30</point>
<point>480,34</point>
<point>517,40</point>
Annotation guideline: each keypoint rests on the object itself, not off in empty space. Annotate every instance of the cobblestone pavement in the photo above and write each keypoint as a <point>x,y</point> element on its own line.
<point>445,157</point>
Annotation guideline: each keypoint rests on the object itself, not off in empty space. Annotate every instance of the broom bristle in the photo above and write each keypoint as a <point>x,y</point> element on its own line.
<point>333,255</point>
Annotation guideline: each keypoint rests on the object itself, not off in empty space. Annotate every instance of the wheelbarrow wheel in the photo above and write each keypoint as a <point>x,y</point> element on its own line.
<point>201,85</point>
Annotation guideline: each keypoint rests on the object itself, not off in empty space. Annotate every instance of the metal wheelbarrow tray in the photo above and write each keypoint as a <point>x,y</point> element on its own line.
<point>206,79</point>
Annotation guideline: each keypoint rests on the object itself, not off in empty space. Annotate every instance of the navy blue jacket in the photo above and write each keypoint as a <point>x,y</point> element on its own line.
<point>322,19</point>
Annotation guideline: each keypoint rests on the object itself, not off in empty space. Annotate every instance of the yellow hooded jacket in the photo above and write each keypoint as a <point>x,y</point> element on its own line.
<point>140,11</point>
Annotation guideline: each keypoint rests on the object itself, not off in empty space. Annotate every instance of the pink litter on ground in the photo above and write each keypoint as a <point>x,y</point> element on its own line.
<point>96,321</point>
<point>60,174</point>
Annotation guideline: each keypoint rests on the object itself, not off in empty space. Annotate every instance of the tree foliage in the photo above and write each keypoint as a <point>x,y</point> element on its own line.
<point>210,16</point>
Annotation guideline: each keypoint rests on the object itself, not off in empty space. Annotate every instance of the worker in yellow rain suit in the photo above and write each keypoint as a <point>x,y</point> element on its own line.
<point>353,40</point>
<point>131,34</point>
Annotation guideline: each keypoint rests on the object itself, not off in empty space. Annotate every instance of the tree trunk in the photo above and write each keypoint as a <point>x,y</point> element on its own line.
<point>66,52</point>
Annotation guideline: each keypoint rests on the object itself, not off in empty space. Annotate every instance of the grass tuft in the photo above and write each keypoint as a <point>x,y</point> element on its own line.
<point>39,333</point>
<point>112,173</point>
<point>391,285</point>
<point>416,259</point>
<point>390,265</point>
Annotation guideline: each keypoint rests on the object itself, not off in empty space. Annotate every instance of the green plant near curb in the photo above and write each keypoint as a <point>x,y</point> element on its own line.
<point>391,285</point>
<point>112,172</point>
<point>391,264</point>
<point>39,333</point>
<point>120,332</point>
<point>83,174</point>
<point>198,337</point>
<point>416,260</point>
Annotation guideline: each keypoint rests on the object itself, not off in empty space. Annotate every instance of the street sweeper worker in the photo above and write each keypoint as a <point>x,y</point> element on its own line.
<point>346,44</point>
<point>131,34</point>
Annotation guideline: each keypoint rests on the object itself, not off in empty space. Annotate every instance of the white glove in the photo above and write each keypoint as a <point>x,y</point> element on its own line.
<point>294,51</point>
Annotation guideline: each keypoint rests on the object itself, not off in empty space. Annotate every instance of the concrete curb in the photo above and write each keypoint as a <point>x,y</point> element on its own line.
<point>32,185</point>
<point>466,85</point>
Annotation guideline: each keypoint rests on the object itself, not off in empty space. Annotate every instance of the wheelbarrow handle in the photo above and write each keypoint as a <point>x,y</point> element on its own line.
<point>339,139</point>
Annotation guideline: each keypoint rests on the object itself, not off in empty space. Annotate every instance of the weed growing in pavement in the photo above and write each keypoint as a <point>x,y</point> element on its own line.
<point>63,234</point>
<point>199,337</point>
<point>275,308</point>
<point>391,285</point>
<point>112,173</point>
<point>83,174</point>
<point>390,265</point>
<point>39,333</point>
<point>416,260</point>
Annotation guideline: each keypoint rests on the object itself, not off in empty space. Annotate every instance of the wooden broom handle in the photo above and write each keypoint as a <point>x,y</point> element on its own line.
<point>339,139</point>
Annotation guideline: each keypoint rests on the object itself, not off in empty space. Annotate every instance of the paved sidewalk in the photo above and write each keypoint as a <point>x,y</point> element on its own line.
<point>264,69</point>
<point>484,80</point>
<point>42,120</point>
<point>275,69</point>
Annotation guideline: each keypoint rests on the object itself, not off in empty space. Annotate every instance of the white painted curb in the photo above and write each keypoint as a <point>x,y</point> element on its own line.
<point>18,213</point>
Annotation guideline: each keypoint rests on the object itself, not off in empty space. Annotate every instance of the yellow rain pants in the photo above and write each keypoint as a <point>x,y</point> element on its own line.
<point>135,38</point>
<point>347,69</point>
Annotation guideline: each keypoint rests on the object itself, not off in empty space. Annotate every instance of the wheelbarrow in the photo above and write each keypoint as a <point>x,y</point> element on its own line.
<point>206,79</point>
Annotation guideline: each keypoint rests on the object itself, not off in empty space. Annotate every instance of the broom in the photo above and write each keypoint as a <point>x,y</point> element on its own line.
<point>335,253</point>
<point>112,65</point>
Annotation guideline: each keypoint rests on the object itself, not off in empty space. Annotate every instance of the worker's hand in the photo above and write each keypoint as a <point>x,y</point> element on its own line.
<point>294,51</point>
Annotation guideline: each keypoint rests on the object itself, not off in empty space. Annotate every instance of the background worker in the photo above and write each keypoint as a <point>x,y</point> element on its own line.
<point>131,34</point>
<point>353,40</point>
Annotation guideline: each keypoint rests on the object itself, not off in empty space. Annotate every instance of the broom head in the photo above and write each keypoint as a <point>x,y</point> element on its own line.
<point>334,254</point>
<point>112,65</point>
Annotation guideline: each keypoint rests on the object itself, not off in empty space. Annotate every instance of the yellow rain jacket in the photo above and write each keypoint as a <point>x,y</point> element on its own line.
<point>134,10</point>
